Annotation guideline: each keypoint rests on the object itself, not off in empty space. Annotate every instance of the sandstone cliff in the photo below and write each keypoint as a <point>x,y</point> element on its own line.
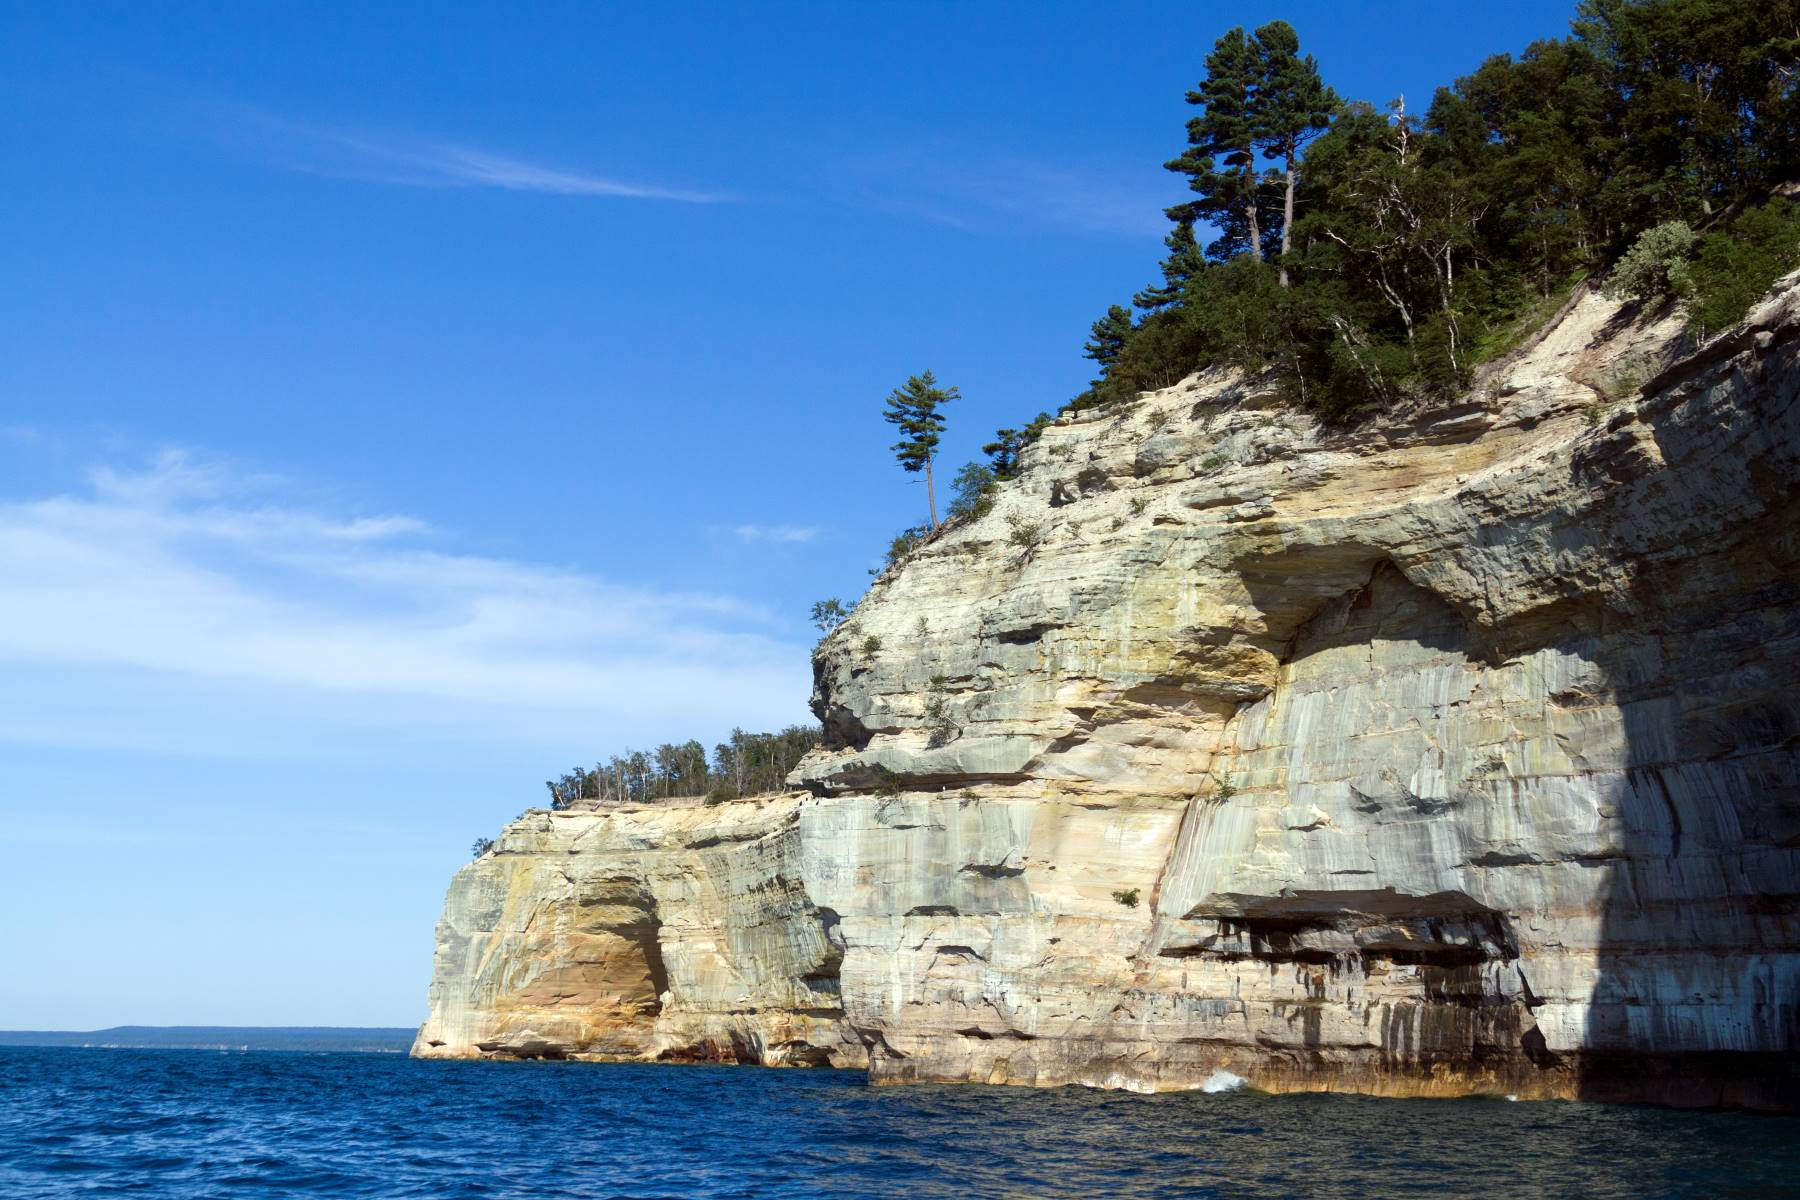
<point>1450,754</point>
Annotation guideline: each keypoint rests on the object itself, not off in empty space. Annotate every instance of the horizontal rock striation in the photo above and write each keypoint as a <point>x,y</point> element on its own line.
<point>1450,754</point>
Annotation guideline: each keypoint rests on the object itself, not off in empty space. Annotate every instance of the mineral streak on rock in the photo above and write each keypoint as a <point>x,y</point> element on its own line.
<point>1444,754</point>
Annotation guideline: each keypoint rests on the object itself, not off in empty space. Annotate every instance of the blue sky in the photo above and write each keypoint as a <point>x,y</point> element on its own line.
<point>402,403</point>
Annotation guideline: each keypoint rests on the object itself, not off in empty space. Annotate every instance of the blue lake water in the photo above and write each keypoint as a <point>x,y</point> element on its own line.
<point>184,1123</point>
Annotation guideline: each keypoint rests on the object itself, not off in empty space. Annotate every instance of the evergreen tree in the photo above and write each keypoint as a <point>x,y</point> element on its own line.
<point>914,407</point>
<point>1184,261</point>
<point>969,490</point>
<point>1110,333</point>
<point>1705,101</point>
<point>1003,452</point>
<point>1291,106</point>
<point>1220,161</point>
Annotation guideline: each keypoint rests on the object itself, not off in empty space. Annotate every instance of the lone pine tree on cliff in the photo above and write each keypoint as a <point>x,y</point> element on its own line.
<point>914,408</point>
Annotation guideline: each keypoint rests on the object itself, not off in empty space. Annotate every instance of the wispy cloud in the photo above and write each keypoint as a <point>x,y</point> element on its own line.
<point>1004,193</point>
<point>168,603</point>
<point>413,161</point>
<point>775,533</point>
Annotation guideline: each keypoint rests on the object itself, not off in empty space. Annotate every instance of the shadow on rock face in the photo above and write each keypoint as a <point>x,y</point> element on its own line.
<point>1696,995</point>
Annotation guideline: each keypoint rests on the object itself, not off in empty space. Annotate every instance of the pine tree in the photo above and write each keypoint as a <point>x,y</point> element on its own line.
<point>1183,262</point>
<point>914,408</point>
<point>1220,161</point>
<point>1003,452</point>
<point>1110,333</point>
<point>1291,106</point>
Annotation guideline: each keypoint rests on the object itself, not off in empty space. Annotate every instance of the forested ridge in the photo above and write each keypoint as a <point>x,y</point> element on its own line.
<point>1359,254</point>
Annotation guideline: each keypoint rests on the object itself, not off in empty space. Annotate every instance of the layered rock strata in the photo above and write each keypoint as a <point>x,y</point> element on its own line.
<point>1440,755</point>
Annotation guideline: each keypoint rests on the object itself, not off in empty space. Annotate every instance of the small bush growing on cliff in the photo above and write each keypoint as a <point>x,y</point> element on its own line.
<point>902,547</point>
<point>1129,897</point>
<point>1022,533</point>
<point>1224,788</point>
<point>871,645</point>
<point>1656,266</point>
<point>938,725</point>
<point>971,491</point>
<point>482,846</point>
<point>888,782</point>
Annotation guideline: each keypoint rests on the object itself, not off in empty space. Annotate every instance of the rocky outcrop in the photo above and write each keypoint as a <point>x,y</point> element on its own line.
<point>1447,754</point>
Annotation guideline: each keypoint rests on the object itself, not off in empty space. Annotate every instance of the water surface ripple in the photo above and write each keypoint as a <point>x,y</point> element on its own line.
<point>179,1123</point>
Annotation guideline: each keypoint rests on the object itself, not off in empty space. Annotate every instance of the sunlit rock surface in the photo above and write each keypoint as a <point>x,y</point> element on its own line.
<point>1450,754</point>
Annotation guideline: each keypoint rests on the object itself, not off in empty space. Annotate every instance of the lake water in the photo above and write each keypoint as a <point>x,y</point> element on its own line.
<point>183,1123</point>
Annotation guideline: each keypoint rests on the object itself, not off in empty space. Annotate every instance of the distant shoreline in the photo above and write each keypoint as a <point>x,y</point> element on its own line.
<point>228,1038</point>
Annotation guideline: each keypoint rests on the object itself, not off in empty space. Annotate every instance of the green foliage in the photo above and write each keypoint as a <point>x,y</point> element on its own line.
<point>1413,247</point>
<point>1737,263</point>
<point>1220,160</point>
<point>482,846</point>
<point>1224,787</point>
<point>901,548</point>
<point>1128,897</point>
<point>1023,533</point>
<point>914,408</point>
<point>970,491</point>
<point>1003,452</point>
<point>1110,333</point>
<point>939,726</point>
<point>1656,266</point>
<point>1183,261</point>
<point>745,764</point>
<point>871,645</point>
<point>887,782</point>
<point>1702,106</point>
<point>829,614</point>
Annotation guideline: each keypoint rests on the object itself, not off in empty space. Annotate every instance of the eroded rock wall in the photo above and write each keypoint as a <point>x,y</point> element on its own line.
<point>680,934</point>
<point>1441,755</point>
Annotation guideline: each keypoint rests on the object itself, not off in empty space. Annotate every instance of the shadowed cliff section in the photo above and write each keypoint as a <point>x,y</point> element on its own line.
<point>1696,1000</point>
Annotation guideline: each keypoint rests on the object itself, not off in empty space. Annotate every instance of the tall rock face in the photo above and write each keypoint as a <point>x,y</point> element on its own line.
<point>1434,756</point>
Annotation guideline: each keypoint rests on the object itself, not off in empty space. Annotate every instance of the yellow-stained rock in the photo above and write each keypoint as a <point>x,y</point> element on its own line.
<point>1456,752</point>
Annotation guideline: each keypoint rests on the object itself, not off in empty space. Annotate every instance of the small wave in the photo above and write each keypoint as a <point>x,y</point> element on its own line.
<point>1222,1080</point>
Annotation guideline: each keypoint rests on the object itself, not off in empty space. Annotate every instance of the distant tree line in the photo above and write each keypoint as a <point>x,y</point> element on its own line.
<point>745,764</point>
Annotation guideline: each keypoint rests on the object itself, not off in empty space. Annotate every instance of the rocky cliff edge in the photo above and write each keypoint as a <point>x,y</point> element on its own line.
<point>1450,753</point>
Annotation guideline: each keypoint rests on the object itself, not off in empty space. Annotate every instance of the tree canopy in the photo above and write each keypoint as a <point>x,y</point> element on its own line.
<point>1393,248</point>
